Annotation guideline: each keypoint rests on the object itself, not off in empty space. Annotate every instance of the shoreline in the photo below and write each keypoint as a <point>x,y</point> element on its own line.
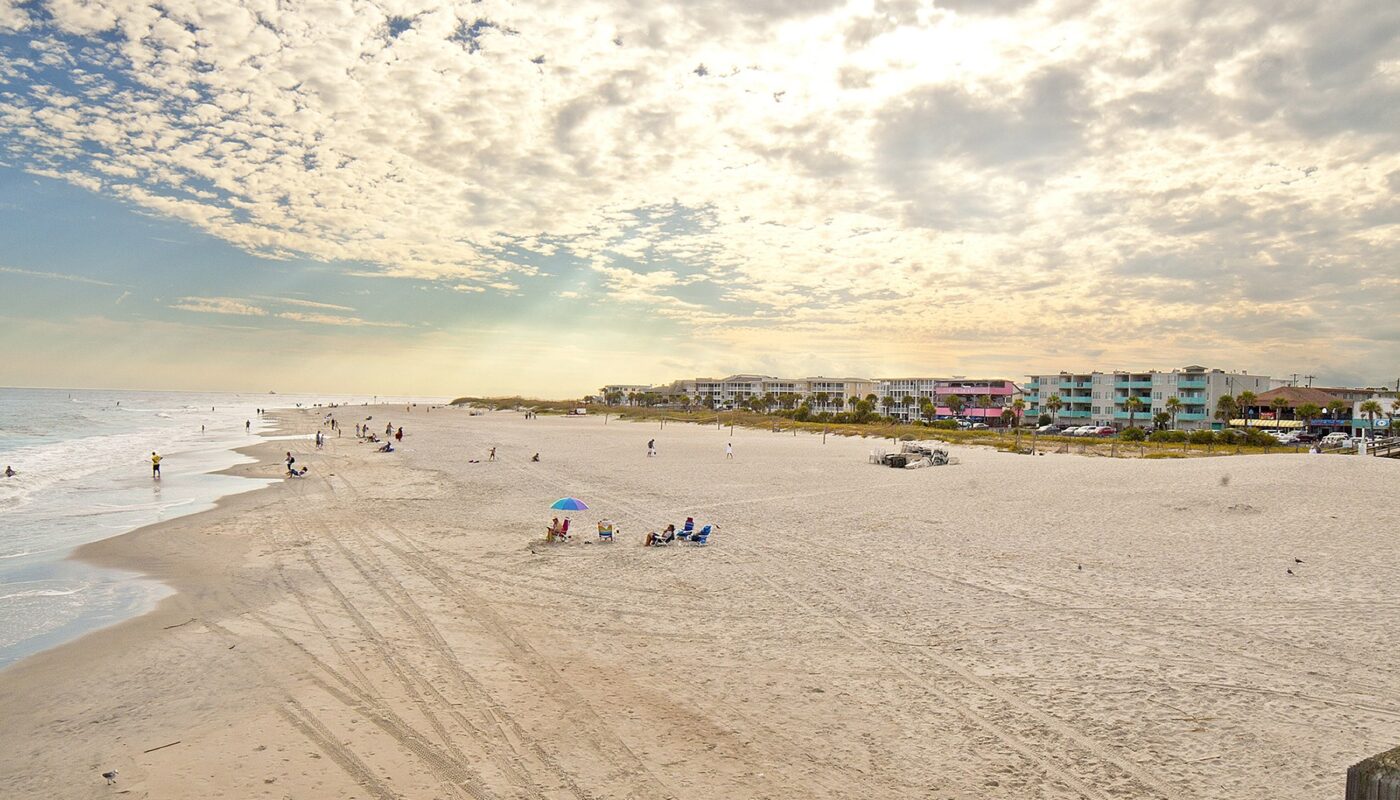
<point>137,551</point>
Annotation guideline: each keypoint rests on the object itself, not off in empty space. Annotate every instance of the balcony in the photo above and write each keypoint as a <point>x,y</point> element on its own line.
<point>1192,401</point>
<point>1132,384</point>
<point>1064,413</point>
<point>1144,415</point>
<point>1191,383</point>
<point>1187,416</point>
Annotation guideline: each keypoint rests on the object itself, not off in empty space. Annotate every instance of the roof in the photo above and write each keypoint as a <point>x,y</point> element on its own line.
<point>1295,396</point>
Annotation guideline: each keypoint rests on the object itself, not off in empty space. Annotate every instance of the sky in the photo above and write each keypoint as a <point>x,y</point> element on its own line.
<point>491,197</point>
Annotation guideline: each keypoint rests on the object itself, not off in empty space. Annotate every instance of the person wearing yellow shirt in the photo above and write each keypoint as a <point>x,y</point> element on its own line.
<point>155,465</point>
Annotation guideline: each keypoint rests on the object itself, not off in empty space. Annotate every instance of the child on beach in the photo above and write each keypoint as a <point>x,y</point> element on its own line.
<point>10,472</point>
<point>155,465</point>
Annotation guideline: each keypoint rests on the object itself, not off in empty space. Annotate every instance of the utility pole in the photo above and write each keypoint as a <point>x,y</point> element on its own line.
<point>1310,380</point>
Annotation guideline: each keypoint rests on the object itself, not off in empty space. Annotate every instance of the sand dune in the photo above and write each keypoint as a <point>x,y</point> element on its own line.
<point>1050,627</point>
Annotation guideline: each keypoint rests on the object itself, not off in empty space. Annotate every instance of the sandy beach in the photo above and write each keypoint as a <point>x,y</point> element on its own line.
<point>393,626</point>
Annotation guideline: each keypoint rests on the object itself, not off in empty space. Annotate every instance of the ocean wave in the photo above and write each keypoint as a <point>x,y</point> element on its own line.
<point>44,593</point>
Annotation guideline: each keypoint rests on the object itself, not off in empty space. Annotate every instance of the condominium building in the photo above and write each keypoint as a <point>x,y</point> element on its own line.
<point>834,394</point>
<point>980,398</point>
<point>822,394</point>
<point>1102,398</point>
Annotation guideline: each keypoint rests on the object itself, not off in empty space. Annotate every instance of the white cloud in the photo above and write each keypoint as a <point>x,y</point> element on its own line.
<point>219,305</point>
<point>57,276</point>
<point>983,164</point>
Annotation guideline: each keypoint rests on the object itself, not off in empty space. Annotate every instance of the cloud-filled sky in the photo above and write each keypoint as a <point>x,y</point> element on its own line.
<point>541,197</point>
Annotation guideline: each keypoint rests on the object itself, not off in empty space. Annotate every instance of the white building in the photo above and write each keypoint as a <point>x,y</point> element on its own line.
<point>1101,398</point>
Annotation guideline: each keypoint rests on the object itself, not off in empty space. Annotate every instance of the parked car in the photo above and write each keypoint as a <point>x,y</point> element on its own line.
<point>1305,437</point>
<point>1287,438</point>
<point>1051,429</point>
<point>1335,439</point>
<point>1103,430</point>
<point>978,426</point>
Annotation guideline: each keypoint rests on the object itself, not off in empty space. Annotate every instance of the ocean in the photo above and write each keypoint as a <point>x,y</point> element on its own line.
<point>82,462</point>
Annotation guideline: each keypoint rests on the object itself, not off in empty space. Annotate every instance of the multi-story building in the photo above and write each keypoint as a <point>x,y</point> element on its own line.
<point>834,394</point>
<point>982,398</point>
<point>1102,398</point>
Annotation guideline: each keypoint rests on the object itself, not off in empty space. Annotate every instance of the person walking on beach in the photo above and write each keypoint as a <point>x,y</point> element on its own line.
<point>729,450</point>
<point>389,429</point>
<point>290,461</point>
<point>492,455</point>
<point>398,435</point>
<point>651,448</point>
<point>155,465</point>
<point>247,426</point>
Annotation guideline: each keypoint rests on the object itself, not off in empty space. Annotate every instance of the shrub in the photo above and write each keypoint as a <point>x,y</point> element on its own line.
<point>1201,437</point>
<point>1133,435</point>
<point>944,424</point>
<point>908,437</point>
<point>1167,436</point>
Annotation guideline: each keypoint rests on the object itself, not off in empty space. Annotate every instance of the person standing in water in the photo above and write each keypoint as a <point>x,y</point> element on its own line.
<point>155,465</point>
<point>10,472</point>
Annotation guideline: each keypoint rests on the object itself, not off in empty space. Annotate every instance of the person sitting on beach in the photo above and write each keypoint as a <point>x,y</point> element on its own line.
<point>10,472</point>
<point>536,457</point>
<point>665,537</point>
<point>387,448</point>
<point>552,531</point>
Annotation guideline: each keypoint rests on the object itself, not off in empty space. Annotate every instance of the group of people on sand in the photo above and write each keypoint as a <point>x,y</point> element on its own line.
<point>558,531</point>
<point>687,533</point>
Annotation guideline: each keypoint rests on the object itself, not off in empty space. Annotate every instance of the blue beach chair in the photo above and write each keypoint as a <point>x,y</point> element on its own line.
<point>703,537</point>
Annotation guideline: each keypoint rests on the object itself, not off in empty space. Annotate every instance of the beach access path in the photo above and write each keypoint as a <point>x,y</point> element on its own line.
<point>393,626</point>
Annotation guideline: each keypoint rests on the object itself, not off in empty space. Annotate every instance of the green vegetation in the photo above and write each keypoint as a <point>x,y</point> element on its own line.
<point>862,420</point>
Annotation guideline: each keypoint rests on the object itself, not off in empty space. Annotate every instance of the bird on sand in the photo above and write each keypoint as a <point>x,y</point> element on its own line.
<point>110,776</point>
<point>1297,561</point>
<point>1290,572</point>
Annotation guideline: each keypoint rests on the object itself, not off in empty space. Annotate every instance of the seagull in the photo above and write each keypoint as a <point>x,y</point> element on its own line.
<point>1297,561</point>
<point>110,776</point>
<point>1290,572</point>
<point>1079,566</point>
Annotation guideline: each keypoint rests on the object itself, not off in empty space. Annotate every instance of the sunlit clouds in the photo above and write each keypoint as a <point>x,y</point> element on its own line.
<point>927,187</point>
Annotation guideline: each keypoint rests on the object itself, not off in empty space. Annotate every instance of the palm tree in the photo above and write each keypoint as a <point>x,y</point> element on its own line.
<point>1053,404</point>
<point>1371,409</point>
<point>1134,405</point>
<point>1161,420</point>
<point>822,397</point>
<point>1307,412</point>
<point>1279,404</point>
<point>1225,408</point>
<point>955,404</point>
<point>852,401</point>
<point>1173,408</point>
<point>1394,412</point>
<point>927,409</point>
<point>1245,400</point>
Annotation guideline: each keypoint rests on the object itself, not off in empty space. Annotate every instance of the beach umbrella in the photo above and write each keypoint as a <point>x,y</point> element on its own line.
<point>569,504</point>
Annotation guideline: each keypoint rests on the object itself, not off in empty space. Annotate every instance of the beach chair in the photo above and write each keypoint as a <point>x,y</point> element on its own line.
<point>703,536</point>
<point>687,529</point>
<point>605,531</point>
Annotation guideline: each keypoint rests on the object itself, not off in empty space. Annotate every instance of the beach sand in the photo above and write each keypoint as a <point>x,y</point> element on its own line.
<point>1061,626</point>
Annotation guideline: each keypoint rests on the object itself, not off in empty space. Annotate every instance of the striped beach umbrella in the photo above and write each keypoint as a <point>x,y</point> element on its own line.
<point>569,504</point>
